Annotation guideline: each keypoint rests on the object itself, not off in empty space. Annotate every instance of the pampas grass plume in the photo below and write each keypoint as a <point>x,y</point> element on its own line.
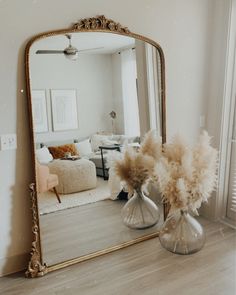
<point>187,176</point>
<point>152,145</point>
<point>134,169</point>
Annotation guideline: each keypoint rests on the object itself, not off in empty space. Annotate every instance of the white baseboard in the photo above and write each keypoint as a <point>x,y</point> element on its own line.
<point>13,264</point>
<point>229,222</point>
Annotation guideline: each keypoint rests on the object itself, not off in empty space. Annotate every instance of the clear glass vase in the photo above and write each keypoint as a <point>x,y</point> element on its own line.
<point>140,212</point>
<point>181,233</point>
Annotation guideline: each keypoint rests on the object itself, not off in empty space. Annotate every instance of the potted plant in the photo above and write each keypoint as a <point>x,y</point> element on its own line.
<point>135,169</point>
<point>186,177</point>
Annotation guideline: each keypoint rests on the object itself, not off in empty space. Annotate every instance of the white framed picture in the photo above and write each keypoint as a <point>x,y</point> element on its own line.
<point>39,109</point>
<point>64,109</point>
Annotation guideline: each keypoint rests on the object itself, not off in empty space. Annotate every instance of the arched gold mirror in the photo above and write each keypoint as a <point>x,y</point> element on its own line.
<point>91,88</point>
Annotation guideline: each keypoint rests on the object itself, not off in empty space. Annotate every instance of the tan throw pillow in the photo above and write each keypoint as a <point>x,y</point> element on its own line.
<point>59,151</point>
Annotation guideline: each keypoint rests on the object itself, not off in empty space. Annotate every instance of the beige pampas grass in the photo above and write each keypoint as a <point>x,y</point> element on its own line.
<point>151,145</point>
<point>187,176</point>
<point>135,169</point>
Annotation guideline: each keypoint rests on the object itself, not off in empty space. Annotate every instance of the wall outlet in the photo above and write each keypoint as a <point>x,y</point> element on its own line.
<point>8,142</point>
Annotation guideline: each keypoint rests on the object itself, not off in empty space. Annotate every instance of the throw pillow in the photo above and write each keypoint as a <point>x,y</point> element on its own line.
<point>43,155</point>
<point>59,151</point>
<point>97,140</point>
<point>84,148</point>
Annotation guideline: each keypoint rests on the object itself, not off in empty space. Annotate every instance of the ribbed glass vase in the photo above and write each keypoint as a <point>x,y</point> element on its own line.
<point>140,212</point>
<point>182,233</point>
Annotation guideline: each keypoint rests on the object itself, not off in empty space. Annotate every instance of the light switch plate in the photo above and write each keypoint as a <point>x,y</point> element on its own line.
<point>8,142</point>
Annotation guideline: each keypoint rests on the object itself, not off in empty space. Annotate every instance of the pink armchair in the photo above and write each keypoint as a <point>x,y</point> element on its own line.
<point>46,181</point>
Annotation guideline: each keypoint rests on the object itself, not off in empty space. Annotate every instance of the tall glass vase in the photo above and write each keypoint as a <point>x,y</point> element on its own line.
<point>182,234</point>
<point>140,212</point>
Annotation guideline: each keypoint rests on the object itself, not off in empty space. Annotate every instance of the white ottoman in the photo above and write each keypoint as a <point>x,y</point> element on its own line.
<point>74,176</point>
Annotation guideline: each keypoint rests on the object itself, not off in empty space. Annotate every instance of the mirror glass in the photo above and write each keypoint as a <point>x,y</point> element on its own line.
<point>85,106</point>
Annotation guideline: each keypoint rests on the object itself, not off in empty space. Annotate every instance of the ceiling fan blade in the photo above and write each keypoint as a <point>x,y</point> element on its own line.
<point>90,49</point>
<point>49,51</point>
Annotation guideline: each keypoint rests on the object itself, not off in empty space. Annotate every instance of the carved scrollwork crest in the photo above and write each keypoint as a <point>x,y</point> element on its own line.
<point>35,268</point>
<point>100,23</point>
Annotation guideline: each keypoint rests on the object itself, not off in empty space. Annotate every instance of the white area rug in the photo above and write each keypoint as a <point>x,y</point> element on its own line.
<point>48,201</point>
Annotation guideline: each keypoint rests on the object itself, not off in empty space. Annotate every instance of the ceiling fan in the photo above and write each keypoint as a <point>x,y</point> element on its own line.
<point>70,51</point>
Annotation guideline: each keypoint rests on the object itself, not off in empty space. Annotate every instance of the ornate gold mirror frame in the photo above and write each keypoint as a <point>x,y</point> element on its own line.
<point>36,267</point>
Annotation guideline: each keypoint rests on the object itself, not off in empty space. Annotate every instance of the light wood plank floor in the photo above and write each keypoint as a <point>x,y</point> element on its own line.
<point>85,229</point>
<point>144,268</point>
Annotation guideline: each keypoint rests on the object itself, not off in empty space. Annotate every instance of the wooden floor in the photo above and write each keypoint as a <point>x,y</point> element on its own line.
<point>82,230</point>
<point>143,269</point>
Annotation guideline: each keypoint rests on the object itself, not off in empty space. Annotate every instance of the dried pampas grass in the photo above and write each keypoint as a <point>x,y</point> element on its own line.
<point>152,145</point>
<point>187,176</point>
<point>136,167</point>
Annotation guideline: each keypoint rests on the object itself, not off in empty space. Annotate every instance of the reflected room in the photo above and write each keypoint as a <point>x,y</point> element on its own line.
<point>86,107</point>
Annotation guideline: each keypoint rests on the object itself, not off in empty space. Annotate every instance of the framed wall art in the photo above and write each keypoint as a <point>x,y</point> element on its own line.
<point>39,108</point>
<point>64,109</point>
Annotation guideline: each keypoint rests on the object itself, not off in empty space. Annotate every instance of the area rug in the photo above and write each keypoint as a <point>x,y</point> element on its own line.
<point>48,202</point>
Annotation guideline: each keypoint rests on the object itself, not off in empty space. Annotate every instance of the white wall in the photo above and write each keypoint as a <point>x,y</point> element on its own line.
<point>91,76</point>
<point>117,94</point>
<point>221,67</point>
<point>183,29</point>
<point>143,99</point>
